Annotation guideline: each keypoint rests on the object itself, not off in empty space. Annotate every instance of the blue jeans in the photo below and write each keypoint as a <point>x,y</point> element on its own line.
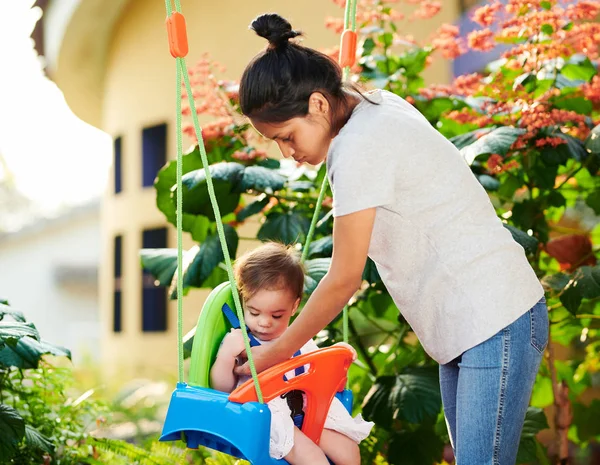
<point>486,391</point>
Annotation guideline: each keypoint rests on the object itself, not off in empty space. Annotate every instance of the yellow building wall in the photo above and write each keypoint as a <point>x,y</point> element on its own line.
<point>139,91</point>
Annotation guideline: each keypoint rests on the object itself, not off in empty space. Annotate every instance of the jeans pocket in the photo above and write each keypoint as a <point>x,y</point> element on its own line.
<point>538,316</point>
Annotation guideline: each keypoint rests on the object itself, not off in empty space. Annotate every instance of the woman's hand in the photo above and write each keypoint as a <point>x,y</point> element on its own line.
<point>264,357</point>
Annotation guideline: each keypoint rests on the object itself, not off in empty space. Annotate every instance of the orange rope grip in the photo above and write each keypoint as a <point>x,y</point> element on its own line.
<point>176,30</point>
<point>348,48</point>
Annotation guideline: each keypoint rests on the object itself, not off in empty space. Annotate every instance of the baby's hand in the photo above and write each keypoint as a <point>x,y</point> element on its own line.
<point>233,344</point>
<point>347,346</point>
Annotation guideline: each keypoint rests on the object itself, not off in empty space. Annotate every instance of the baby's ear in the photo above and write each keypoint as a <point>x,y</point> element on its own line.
<point>296,305</point>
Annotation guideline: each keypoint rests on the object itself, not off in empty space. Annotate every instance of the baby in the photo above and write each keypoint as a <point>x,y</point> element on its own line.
<point>271,280</point>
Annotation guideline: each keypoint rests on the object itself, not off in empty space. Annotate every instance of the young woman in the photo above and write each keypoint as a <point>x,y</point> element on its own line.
<point>404,197</point>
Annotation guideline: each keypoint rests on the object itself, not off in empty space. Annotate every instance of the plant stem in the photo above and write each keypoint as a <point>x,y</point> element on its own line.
<point>361,347</point>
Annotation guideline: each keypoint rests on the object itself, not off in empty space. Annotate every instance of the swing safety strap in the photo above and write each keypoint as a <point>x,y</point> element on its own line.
<point>178,47</point>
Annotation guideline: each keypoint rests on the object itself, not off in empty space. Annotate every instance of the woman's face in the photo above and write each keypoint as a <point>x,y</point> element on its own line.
<point>306,139</point>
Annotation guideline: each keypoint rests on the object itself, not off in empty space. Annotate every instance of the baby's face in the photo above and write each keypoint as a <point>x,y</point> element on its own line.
<point>268,312</point>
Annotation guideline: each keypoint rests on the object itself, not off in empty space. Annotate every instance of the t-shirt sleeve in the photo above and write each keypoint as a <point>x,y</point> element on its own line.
<point>363,171</point>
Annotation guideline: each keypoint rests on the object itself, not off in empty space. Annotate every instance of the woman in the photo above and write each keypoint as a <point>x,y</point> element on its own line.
<point>404,197</point>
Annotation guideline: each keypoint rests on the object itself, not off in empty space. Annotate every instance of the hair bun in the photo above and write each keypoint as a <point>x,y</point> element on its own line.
<point>274,28</point>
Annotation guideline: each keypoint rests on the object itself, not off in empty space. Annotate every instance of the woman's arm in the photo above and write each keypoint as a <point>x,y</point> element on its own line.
<point>351,238</point>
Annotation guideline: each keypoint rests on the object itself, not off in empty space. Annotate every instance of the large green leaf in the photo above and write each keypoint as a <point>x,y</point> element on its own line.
<point>11,332</point>
<point>529,243</point>
<point>535,421</point>
<point>27,353</point>
<point>419,447</point>
<point>196,199</point>
<point>288,227</point>
<point>586,418</point>
<point>579,105</point>
<point>315,269</point>
<point>592,143</point>
<point>413,396</point>
<point>575,147</point>
<point>370,272</point>
<point>253,208</point>
<point>584,284</point>
<point>161,263</point>
<point>209,256</point>
<point>261,179</point>
<point>583,71</point>
<point>196,225</point>
<point>37,440</point>
<point>5,309</point>
<point>12,430</point>
<point>322,246</point>
<point>497,141</point>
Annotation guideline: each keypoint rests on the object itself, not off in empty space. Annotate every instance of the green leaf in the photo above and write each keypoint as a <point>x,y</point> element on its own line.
<point>225,177</point>
<point>571,298</point>
<point>209,256</point>
<point>527,80</point>
<point>489,183</point>
<point>579,105</point>
<point>576,148</point>
<point>586,419</point>
<point>28,352</point>
<point>543,175</point>
<point>12,430</point>
<point>288,227</point>
<point>529,243</point>
<point>464,140</point>
<point>588,282</point>
<point>419,447</point>
<point>546,5</point>
<point>583,71</point>
<point>315,270</point>
<point>592,143</point>
<point>412,396</point>
<point>37,440</point>
<point>368,46</point>
<point>161,263</point>
<point>556,199</point>
<point>370,273</point>
<point>568,26</point>
<point>497,141</point>
<point>253,208</point>
<point>593,201</point>
<point>509,187</point>
<point>11,332</point>
<point>5,309</point>
<point>166,179</point>
<point>547,29</point>
<point>323,246</point>
<point>261,179</point>
<point>270,163</point>
<point>556,281</point>
<point>535,421</point>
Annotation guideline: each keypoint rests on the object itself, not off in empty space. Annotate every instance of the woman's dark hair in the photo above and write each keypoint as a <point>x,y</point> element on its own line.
<point>277,83</point>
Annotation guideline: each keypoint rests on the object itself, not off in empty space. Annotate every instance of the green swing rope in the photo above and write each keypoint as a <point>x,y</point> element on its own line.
<point>349,23</point>
<point>182,73</point>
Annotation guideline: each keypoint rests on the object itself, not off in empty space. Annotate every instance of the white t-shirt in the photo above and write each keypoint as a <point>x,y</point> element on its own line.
<point>453,270</point>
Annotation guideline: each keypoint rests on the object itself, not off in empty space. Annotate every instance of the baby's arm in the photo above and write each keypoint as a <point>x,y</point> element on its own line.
<point>222,377</point>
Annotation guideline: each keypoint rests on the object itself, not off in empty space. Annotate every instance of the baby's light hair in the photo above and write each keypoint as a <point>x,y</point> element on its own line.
<point>271,266</point>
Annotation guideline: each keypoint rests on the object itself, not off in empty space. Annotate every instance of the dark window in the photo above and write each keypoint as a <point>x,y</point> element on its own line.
<point>118,165</point>
<point>154,299</point>
<point>154,152</point>
<point>117,296</point>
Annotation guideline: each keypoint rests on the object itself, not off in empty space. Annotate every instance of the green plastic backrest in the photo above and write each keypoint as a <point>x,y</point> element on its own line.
<point>211,329</point>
